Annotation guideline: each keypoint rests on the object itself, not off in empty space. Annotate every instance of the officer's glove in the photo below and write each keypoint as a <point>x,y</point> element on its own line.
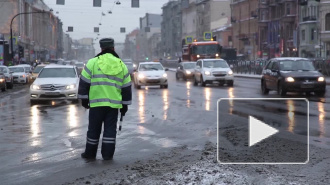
<point>123,110</point>
<point>85,103</point>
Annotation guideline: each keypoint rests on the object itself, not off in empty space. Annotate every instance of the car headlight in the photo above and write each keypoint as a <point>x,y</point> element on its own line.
<point>289,79</point>
<point>188,72</point>
<point>208,73</point>
<point>35,87</point>
<point>70,87</point>
<point>141,76</point>
<point>165,75</point>
<point>217,55</point>
<point>320,79</point>
<point>198,56</point>
<point>230,72</point>
<point>2,80</point>
<point>134,65</point>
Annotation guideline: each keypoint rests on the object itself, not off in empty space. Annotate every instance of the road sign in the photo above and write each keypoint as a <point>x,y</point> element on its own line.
<point>97,3</point>
<point>189,39</point>
<point>207,35</point>
<point>60,2</point>
<point>135,3</point>
<point>96,29</point>
<point>122,30</point>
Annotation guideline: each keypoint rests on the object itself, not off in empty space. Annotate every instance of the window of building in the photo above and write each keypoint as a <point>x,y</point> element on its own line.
<point>302,34</point>
<point>288,8</point>
<point>312,34</point>
<point>327,22</point>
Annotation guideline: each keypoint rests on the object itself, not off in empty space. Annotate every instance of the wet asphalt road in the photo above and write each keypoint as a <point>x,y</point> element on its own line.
<point>42,143</point>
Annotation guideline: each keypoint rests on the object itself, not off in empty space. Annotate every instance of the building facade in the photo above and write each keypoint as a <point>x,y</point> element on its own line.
<point>324,28</point>
<point>36,36</point>
<point>245,27</point>
<point>309,42</point>
<point>171,29</point>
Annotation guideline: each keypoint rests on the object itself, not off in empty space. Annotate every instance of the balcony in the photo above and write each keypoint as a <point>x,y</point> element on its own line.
<point>309,18</point>
<point>243,37</point>
<point>289,18</point>
<point>254,14</point>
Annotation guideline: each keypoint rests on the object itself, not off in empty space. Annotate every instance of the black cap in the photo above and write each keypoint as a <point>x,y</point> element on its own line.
<point>107,43</point>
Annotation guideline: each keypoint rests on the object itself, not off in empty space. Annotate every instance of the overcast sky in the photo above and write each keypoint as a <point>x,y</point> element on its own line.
<point>84,17</point>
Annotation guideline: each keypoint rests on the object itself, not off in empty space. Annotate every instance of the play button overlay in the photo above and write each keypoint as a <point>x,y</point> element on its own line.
<point>259,131</point>
<point>263,131</point>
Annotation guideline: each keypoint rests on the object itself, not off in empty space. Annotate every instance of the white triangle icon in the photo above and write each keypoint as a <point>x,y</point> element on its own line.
<point>259,131</point>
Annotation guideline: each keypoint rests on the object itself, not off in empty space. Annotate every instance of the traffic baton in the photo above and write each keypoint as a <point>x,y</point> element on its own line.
<point>120,124</point>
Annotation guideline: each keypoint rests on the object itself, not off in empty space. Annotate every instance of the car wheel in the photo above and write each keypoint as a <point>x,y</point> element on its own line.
<point>280,90</point>
<point>176,76</point>
<point>320,93</point>
<point>195,81</point>
<point>184,77</point>
<point>264,89</point>
<point>165,86</point>
<point>4,88</point>
<point>230,83</point>
<point>202,82</point>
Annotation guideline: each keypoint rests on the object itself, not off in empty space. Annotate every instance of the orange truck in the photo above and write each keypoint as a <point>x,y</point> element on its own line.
<point>201,50</point>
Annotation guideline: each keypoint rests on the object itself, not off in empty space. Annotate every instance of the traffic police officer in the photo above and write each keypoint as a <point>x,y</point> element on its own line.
<point>105,88</point>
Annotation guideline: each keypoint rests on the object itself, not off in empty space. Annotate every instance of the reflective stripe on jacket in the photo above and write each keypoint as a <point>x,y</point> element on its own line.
<point>105,81</point>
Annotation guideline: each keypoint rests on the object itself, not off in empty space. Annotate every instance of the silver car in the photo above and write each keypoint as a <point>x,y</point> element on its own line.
<point>8,75</point>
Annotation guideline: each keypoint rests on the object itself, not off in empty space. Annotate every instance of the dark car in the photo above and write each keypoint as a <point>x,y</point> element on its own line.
<point>3,84</point>
<point>292,75</point>
<point>185,70</point>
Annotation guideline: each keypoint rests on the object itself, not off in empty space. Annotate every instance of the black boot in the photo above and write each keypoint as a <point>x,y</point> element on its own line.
<point>85,156</point>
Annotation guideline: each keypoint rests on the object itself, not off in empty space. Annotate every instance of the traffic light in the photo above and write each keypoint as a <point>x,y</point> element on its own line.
<point>21,52</point>
<point>147,58</point>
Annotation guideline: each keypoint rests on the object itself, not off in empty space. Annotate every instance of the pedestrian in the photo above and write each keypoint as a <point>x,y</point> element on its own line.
<point>105,89</point>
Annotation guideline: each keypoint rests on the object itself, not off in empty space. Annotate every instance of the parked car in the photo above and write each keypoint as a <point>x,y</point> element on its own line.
<point>3,84</point>
<point>185,70</point>
<point>288,74</point>
<point>209,71</point>
<point>20,75</point>
<point>8,75</point>
<point>150,73</point>
<point>36,71</point>
<point>55,82</point>
<point>80,66</point>
<point>130,67</point>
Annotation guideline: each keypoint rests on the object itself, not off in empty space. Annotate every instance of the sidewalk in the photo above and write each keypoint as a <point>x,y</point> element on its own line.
<point>327,79</point>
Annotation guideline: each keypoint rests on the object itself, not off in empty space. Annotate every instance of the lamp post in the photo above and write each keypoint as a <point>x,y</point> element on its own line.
<point>11,28</point>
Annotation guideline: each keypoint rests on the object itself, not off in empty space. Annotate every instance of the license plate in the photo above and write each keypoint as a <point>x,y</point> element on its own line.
<point>52,93</point>
<point>307,86</point>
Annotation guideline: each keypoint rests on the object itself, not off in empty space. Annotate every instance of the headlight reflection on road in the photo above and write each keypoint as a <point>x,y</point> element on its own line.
<point>188,84</point>
<point>72,116</point>
<point>34,126</point>
<point>141,106</point>
<point>207,93</point>
<point>165,100</point>
<point>291,109</point>
<point>321,118</point>
<point>231,102</point>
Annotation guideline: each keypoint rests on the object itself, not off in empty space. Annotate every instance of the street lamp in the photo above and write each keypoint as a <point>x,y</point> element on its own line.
<point>11,29</point>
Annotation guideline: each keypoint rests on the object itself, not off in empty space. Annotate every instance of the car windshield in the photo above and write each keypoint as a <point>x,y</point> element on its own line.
<point>215,64</point>
<point>205,49</point>
<point>129,66</point>
<point>38,69</point>
<point>300,65</point>
<point>189,66</point>
<point>17,69</point>
<point>58,73</point>
<point>3,70</point>
<point>151,67</point>
<point>80,65</point>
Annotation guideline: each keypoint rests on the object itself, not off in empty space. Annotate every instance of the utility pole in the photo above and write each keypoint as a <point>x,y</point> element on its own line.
<point>11,28</point>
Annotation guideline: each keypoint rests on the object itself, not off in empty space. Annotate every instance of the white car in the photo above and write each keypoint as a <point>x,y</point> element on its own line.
<point>20,74</point>
<point>209,71</point>
<point>55,82</point>
<point>150,73</point>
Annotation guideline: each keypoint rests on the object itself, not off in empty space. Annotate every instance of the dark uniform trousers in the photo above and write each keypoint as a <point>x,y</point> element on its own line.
<point>98,116</point>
